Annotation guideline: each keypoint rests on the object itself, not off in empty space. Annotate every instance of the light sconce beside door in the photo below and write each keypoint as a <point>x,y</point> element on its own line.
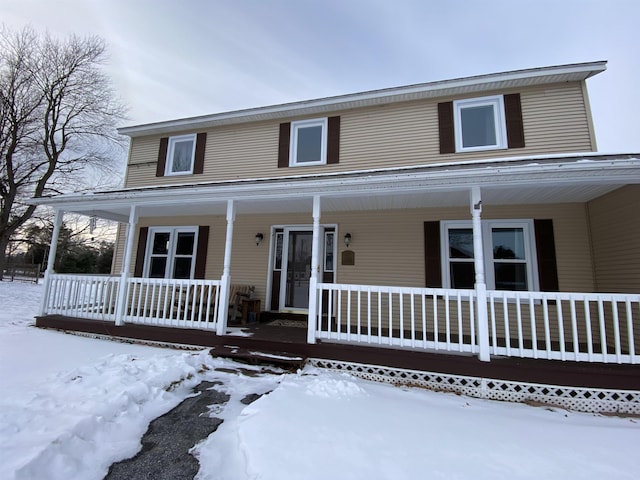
<point>347,239</point>
<point>259,238</point>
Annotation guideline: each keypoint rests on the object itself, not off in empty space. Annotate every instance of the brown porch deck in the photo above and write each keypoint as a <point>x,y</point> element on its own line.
<point>279,340</point>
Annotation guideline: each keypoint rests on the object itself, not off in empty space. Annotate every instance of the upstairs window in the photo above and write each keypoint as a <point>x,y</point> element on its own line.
<point>308,142</point>
<point>180,155</point>
<point>480,124</point>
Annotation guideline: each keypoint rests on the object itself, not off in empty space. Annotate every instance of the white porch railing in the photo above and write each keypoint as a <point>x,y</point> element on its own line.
<point>87,296</point>
<point>424,318</point>
<point>173,303</point>
<point>587,327</point>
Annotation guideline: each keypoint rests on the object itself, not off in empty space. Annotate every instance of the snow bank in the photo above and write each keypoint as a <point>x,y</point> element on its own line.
<point>328,425</point>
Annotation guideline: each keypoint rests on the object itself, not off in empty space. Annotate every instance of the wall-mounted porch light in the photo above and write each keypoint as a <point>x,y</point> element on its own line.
<point>347,239</point>
<point>259,238</point>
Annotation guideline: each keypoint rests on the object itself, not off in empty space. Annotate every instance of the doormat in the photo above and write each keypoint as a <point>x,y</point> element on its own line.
<point>288,323</point>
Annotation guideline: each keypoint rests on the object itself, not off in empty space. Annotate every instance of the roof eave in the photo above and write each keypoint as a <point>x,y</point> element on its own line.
<point>480,83</point>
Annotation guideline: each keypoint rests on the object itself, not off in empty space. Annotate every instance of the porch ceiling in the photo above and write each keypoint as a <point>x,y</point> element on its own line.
<point>517,181</point>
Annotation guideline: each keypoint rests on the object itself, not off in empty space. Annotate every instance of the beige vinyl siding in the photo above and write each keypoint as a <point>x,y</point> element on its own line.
<point>555,118</point>
<point>615,233</point>
<point>388,245</point>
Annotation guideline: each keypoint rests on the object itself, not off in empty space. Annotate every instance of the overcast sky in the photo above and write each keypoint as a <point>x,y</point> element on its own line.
<point>172,59</point>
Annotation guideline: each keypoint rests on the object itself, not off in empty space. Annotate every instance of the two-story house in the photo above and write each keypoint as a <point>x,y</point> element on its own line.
<point>469,215</point>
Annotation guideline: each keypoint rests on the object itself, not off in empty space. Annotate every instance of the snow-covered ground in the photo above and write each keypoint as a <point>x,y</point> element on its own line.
<point>70,406</point>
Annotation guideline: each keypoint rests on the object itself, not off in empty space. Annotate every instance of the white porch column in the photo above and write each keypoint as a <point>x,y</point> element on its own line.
<point>57,225</point>
<point>126,265</point>
<point>315,269</point>
<point>481,286</point>
<point>225,281</point>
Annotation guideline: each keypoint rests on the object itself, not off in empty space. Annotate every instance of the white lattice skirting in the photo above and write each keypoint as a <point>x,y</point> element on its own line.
<point>592,400</point>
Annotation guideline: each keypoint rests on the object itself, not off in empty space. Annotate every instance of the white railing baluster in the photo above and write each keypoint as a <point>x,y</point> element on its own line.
<point>472,320</point>
<point>587,317</point>
<point>390,329</point>
<point>519,324</point>
<point>460,332</point>
<point>632,348</point>
<point>348,321</point>
<point>401,308</point>
<point>447,321</point>
<point>574,330</point>
<point>547,332</point>
<point>369,315</point>
<point>560,329</point>
<point>436,338</point>
<point>505,318</point>
<point>603,334</point>
<point>413,320</point>
<point>423,300</point>
<point>616,330</point>
<point>494,333</point>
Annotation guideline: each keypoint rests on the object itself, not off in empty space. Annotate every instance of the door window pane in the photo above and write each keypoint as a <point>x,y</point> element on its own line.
<point>278,255</point>
<point>328,251</point>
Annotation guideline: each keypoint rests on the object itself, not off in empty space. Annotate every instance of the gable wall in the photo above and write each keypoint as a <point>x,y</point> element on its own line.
<point>556,120</point>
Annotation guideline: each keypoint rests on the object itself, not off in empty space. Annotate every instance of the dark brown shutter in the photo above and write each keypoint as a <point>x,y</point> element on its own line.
<point>546,251</point>
<point>513,116</point>
<point>201,253</point>
<point>445,126</point>
<point>283,145</point>
<point>198,162</point>
<point>162,156</point>
<point>333,140</point>
<point>432,255</point>
<point>140,252</point>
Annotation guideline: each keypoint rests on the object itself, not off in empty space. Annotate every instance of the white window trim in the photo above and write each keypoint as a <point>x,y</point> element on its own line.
<point>487,226</point>
<point>497,102</point>
<point>293,146</point>
<point>170,153</point>
<point>171,255</point>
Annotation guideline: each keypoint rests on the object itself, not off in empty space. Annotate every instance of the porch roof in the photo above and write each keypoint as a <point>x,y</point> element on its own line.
<point>522,180</point>
<point>480,83</point>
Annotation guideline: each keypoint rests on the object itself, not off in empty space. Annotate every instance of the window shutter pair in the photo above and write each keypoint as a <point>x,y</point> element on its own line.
<point>513,118</point>
<point>198,161</point>
<point>545,251</point>
<point>201,252</point>
<point>333,142</point>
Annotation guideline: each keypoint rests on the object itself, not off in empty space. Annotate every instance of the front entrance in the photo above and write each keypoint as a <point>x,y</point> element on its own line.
<point>291,266</point>
<point>298,268</point>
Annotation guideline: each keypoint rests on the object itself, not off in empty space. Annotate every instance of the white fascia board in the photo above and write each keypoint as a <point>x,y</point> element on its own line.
<point>532,76</point>
<point>596,172</point>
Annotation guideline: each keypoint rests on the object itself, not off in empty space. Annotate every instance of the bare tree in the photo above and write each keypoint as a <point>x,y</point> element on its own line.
<point>57,120</point>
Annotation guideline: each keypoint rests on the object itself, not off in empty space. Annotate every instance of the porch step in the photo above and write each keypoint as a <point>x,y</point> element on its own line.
<point>256,357</point>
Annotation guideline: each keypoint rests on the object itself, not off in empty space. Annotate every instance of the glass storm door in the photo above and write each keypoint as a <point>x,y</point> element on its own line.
<point>298,268</point>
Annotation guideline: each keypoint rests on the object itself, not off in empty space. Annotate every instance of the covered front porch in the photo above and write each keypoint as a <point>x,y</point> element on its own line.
<point>478,320</point>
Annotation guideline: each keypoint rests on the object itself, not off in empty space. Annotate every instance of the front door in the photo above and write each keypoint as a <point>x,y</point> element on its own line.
<point>291,265</point>
<point>298,270</point>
